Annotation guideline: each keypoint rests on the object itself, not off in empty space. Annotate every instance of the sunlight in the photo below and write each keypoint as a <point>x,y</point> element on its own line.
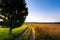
<point>2,16</point>
<point>1,19</point>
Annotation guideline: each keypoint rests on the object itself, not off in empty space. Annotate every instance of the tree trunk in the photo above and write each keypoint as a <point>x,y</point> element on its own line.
<point>10,30</point>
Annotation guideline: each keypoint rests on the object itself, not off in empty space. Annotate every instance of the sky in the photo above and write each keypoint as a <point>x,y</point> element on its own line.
<point>43,11</point>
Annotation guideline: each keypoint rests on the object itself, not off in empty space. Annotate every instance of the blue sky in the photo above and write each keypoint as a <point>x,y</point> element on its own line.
<point>43,11</point>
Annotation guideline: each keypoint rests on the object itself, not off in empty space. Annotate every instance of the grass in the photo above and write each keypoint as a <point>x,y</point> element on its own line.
<point>4,32</point>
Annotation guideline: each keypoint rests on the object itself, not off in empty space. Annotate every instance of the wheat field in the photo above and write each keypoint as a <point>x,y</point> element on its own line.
<point>46,31</point>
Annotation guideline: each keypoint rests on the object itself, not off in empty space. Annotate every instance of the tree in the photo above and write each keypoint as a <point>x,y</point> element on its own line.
<point>13,13</point>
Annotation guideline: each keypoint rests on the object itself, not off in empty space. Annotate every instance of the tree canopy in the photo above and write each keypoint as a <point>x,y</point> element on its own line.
<point>13,12</point>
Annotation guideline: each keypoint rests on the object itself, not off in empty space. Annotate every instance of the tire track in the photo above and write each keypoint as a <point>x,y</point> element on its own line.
<point>21,36</point>
<point>32,36</point>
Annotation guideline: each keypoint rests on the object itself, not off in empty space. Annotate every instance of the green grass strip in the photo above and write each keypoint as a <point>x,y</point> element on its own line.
<point>4,32</point>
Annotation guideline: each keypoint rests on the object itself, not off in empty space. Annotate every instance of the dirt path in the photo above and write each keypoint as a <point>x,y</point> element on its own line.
<point>32,36</point>
<point>21,36</point>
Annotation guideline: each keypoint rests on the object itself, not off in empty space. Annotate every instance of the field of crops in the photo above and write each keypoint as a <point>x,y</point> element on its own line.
<point>32,32</point>
<point>46,31</point>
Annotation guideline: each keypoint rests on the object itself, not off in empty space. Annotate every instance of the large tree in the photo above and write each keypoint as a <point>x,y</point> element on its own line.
<point>13,13</point>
